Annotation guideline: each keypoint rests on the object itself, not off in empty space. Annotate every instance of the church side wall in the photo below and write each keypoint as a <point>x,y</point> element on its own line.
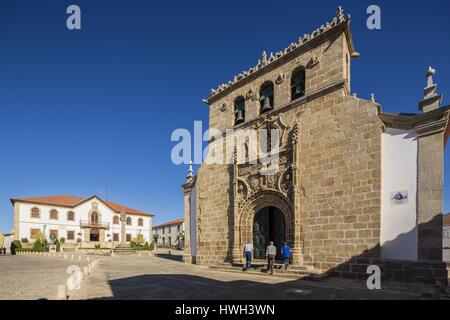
<point>340,179</point>
<point>399,235</point>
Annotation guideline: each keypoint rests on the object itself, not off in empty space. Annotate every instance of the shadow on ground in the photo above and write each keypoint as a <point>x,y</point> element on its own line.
<point>172,257</point>
<point>190,287</point>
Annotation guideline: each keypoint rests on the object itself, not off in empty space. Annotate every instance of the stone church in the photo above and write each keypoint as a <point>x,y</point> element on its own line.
<point>355,186</point>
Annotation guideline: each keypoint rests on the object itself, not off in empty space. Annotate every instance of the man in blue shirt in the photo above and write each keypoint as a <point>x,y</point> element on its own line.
<point>286,252</point>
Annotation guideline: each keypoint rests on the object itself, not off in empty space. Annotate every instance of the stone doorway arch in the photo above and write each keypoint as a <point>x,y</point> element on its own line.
<point>256,203</point>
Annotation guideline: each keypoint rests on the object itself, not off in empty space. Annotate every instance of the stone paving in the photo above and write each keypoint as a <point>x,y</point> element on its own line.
<point>165,277</point>
<point>29,277</point>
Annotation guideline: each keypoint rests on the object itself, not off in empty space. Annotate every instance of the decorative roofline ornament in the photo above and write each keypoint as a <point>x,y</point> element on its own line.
<point>337,20</point>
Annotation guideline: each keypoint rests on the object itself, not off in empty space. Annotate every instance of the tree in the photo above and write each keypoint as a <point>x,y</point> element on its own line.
<point>139,240</point>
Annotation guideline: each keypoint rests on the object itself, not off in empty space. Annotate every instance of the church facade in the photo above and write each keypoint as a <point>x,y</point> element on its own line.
<point>354,185</point>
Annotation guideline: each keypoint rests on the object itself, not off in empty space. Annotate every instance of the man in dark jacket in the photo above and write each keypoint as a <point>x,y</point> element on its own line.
<point>13,249</point>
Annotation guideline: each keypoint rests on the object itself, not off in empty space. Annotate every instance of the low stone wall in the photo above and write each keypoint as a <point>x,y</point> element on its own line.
<point>428,272</point>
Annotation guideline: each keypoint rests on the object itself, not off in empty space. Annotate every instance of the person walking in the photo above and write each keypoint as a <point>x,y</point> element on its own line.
<point>286,252</point>
<point>248,252</point>
<point>271,253</point>
<point>13,249</point>
<point>4,250</point>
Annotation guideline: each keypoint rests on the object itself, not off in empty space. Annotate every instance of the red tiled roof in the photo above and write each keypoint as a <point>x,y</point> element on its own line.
<point>72,201</point>
<point>447,220</point>
<point>169,223</point>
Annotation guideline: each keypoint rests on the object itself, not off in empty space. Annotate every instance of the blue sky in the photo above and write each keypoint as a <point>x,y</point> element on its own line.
<point>80,109</point>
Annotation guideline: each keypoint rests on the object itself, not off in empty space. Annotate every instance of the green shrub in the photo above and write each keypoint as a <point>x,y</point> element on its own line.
<point>62,240</point>
<point>38,246</point>
<point>97,246</point>
<point>146,246</point>
<point>152,246</point>
<point>58,245</point>
<point>18,244</point>
<point>24,240</point>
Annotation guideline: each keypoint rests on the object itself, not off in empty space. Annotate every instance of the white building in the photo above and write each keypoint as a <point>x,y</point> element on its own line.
<point>88,221</point>
<point>170,234</point>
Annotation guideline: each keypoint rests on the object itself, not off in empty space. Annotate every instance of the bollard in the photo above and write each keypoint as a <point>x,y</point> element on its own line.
<point>79,258</point>
<point>62,292</point>
<point>88,259</point>
<point>65,256</point>
<point>72,257</point>
<point>85,271</point>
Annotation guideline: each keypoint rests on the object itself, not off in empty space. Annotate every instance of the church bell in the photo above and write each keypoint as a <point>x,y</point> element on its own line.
<point>266,105</point>
<point>239,116</point>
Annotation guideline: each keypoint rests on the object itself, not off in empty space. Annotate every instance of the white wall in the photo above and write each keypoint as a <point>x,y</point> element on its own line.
<point>26,223</point>
<point>193,222</point>
<point>398,173</point>
<point>164,232</point>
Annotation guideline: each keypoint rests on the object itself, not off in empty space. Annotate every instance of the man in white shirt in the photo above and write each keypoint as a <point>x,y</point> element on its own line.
<point>271,252</point>
<point>248,251</point>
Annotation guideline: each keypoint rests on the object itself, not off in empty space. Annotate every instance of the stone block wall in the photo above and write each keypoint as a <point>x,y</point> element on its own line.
<point>339,163</point>
<point>331,54</point>
<point>340,178</point>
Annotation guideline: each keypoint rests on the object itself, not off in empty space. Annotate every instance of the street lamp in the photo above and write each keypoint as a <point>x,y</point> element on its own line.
<point>139,239</point>
<point>45,226</point>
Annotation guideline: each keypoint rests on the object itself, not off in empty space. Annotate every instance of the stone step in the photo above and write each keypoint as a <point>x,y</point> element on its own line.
<point>311,275</point>
<point>277,266</point>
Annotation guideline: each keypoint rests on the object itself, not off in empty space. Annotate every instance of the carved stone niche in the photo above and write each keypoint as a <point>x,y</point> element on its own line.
<point>274,122</point>
<point>243,190</point>
<point>250,95</point>
<point>285,182</point>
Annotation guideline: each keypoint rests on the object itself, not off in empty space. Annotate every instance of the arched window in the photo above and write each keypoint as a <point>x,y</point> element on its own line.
<point>53,214</point>
<point>116,220</point>
<point>239,110</point>
<point>128,221</point>
<point>70,216</point>
<point>266,97</point>
<point>35,213</point>
<point>94,217</point>
<point>141,222</point>
<point>298,84</point>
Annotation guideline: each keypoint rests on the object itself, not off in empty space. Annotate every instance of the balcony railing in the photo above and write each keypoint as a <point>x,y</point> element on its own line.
<point>92,224</point>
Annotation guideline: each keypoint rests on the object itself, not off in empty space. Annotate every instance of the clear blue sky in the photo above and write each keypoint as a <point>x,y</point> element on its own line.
<point>81,108</point>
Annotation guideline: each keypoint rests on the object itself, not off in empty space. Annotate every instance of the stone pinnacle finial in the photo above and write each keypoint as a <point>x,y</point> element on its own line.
<point>372,97</point>
<point>340,13</point>
<point>190,174</point>
<point>429,74</point>
<point>431,100</point>
<point>264,57</point>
